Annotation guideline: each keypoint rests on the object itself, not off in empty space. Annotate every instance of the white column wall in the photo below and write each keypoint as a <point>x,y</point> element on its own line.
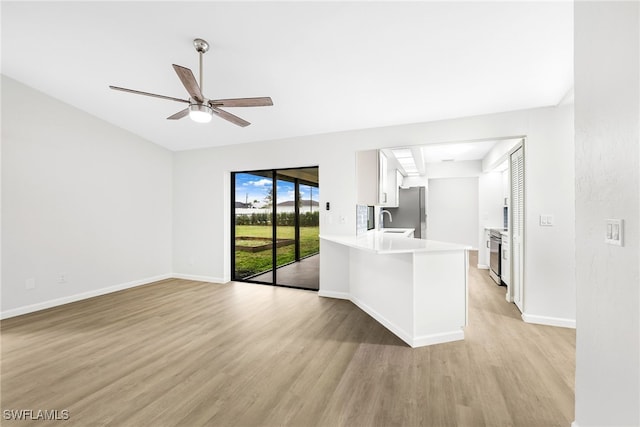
<point>607,122</point>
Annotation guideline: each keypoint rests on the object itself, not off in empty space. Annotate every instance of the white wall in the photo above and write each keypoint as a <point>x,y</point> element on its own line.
<point>490,199</point>
<point>453,210</point>
<point>415,181</point>
<point>607,156</point>
<point>490,204</point>
<point>550,190</point>
<point>80,198</point>
<point>202,196</point>
<point>201,193</point>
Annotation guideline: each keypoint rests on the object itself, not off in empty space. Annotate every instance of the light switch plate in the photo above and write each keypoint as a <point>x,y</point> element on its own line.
<point>614,232</point>
<point>546,220</point>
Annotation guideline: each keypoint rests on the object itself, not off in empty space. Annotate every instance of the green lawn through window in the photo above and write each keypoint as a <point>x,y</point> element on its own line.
<point>248,263</point>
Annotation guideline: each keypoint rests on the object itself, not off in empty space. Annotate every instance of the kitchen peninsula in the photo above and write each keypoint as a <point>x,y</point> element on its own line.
<point>415,288</point>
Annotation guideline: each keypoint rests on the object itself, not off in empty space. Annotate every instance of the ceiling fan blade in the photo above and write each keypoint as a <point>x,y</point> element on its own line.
<point>179,114</point>
<point>230,117</point>
<point>189,81</point>
<point>243,102</point>
<point>137,92</point>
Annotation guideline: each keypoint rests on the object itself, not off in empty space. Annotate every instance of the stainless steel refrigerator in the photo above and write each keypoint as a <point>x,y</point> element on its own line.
<point>411,211</point>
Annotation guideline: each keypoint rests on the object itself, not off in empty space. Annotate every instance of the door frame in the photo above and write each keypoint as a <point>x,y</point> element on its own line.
<point>274,266</point>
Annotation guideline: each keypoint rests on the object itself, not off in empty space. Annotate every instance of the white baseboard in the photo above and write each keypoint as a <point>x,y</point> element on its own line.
<point>81,296</point>
<point>439,338</point>
<point>483,267</point>
<point>420,341</point>
<point>333,294</point>
<point>207,279</point>
<point>399,332</point>
<point>574,424</point>
<point>507,296</point>
<point>549,321</point>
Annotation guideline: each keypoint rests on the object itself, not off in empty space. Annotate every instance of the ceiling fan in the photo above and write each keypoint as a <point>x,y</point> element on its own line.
<point>201,109</point>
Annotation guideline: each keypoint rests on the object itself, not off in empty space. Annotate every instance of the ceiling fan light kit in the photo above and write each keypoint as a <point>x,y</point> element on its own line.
<point>201,109</point>
<point>200,113</point>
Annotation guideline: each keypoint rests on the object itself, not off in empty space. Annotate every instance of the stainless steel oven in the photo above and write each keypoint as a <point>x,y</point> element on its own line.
<point>495,243</point>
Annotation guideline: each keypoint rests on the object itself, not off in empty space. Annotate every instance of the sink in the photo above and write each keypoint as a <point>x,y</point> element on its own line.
<point>397,232</point>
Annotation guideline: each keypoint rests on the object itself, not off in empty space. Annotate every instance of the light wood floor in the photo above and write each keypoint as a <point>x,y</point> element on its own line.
<point>194,354</point>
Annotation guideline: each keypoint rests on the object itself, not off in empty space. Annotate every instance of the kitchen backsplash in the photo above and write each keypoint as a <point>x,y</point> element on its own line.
<point>362,212</point>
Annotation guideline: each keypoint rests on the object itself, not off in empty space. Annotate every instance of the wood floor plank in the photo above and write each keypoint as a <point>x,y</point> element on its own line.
<point>187,353</point>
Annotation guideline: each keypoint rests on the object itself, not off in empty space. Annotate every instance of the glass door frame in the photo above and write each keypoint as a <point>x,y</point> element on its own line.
<point>274,223</point>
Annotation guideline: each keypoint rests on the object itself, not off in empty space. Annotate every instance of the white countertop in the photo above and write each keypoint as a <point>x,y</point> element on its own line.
<point>392,243</point>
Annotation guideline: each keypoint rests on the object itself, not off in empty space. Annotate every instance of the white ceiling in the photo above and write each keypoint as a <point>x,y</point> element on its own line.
<point>329,66</point>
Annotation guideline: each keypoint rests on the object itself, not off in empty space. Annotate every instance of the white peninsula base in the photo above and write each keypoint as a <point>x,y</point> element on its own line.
<point>415,288</point>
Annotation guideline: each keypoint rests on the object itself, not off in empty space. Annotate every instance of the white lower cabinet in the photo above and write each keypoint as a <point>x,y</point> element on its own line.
<point>485,251</point>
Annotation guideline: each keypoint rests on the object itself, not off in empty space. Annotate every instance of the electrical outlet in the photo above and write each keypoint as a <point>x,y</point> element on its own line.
<point>62,278</point>
<point>30,284</point>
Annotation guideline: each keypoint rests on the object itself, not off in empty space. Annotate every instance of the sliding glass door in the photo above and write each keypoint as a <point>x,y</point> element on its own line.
<point>276,225</point>
<point>309,219</point>
<point>286,241</point>
<point>253,227</point>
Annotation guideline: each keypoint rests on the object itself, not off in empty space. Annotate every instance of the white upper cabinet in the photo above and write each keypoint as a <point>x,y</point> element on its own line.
<point>377,181</point>
<point>383,184</point>
<point>367,177</point>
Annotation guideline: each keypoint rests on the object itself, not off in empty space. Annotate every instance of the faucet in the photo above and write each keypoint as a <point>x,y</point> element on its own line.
<point>382,212</point>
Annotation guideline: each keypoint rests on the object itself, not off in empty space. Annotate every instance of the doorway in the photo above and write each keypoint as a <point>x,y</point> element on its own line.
<point>275,227</point>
